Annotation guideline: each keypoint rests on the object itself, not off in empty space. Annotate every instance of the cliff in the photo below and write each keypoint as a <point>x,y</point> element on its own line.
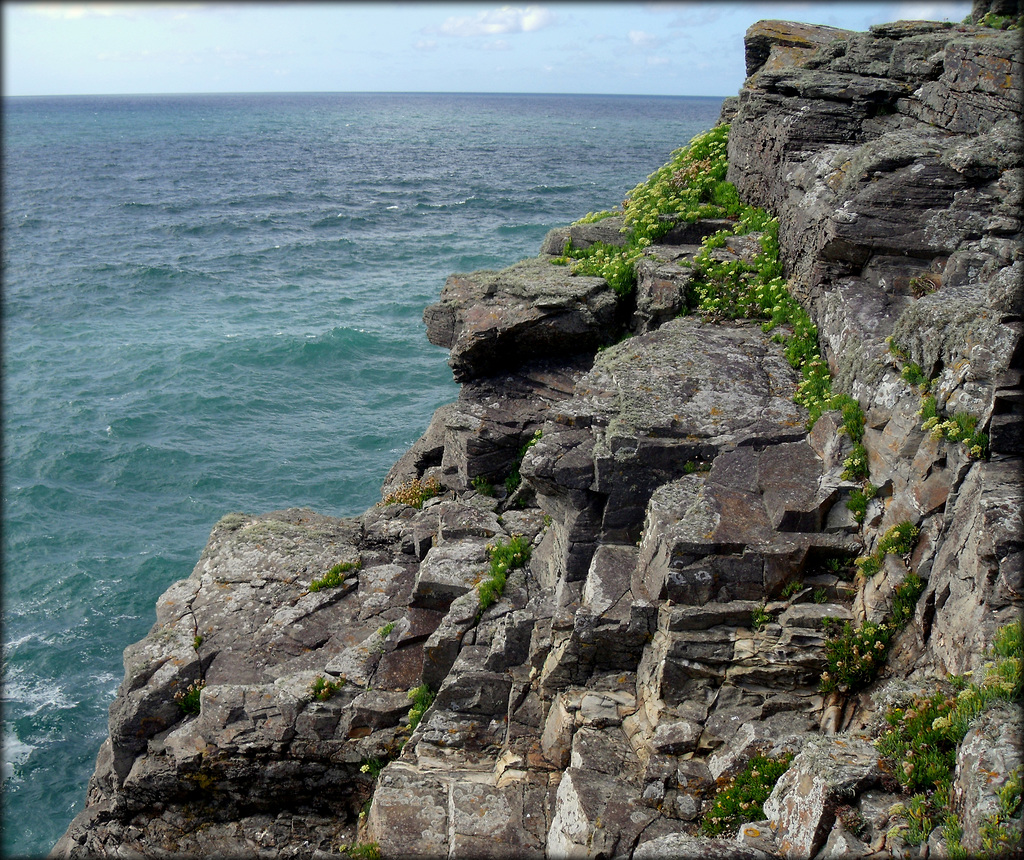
<point>620,574</point>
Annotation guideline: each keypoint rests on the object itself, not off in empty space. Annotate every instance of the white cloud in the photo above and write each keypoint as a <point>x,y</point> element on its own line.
<point>498,45</point>
<point>499,22</point>
<point>658,61</point>
<point>640,39</point>
<point>931,11</point>
<point>426,45</point>
<point>78,11</point>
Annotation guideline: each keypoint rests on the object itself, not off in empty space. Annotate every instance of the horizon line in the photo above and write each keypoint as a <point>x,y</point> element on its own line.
<point>358,92</point>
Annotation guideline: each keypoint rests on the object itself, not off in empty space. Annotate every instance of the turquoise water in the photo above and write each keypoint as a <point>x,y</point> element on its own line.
<point>213,304</point>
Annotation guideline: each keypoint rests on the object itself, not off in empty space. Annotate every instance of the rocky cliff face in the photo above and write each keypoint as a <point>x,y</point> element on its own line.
<point>686,535</point>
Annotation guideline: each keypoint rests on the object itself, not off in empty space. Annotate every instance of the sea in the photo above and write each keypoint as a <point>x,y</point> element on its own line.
<point>213,303</point>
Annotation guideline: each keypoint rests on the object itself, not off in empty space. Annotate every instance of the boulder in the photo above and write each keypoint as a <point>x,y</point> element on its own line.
<point>495,321</point>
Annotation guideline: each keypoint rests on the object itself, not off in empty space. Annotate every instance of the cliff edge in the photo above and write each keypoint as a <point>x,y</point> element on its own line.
<point>619,582</point>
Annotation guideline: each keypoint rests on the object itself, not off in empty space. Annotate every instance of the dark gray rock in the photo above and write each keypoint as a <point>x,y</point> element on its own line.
<point>495,321</point>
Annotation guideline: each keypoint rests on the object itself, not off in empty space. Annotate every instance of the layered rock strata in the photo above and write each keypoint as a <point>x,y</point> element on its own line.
<point>685,526</point>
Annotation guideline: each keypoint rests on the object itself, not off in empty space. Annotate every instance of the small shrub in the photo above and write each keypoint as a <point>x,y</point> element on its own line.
<point>483,486</point>
<point>760,617</point>
<point>919,749</point>
<point>385,631</point>
<point>743,798</point>
<point>853,420</point>
<point>422,698</point>
<point>923,285</point>
<point>373,766</point>
<point>322,689</point>
<point>913,375</point>
<point>905,597</point>
<point>851,819</point>
<point>855,466</point>
<point>594,217</point>
<point>514,478</point>
<point>1001,832</point>
<point>820,595</point>
<point>898,539</point>
<point>188,699</point>
<point>414,493</point>
<point>335,576</point>
<point>197,640</point>
<point>791,588</point>
<point>503,557</point>
<point>961,427</point>
<point>858,501</point>
<point>854,656</point>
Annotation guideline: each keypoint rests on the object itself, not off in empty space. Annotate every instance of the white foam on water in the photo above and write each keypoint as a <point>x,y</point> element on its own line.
<point>14,754</point>
<point>26,696</point>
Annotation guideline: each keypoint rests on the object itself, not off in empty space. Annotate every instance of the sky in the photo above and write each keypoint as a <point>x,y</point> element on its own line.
<point>682,48</point>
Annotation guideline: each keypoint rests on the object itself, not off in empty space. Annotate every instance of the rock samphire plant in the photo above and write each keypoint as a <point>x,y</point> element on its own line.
<point>414,493</point>
<point>919,748</point>
<point>742,799</point>
<point>335,576</point>
<point>504,557</point>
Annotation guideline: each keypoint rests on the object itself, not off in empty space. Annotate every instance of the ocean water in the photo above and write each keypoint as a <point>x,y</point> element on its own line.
<point>212,303</point>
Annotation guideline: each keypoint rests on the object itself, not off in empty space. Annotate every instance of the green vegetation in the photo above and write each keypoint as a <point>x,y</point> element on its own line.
<point>188,699</point>
<point>791,588</point>
<point>913,375</point>
<point>335,576</point>
<point>362,851</point>
<point>414,493</point>
<point>760,617</point>
<point>323,689</point>
<point>999,22</point>
<point>961,427</point>
<point>742,799</point>
<point>197,640</point>
<point>855,655</point>
<point>920,745</point>
<point>898,539</point>
<point>858,501</point>
<point>422,697</point>
<point>594,217</point>
<point>483,486</point>
<point>692,186</point>
<point>385,631</point>
<point>503,557</point>
<point>373,766</point>
<point>514,478</point>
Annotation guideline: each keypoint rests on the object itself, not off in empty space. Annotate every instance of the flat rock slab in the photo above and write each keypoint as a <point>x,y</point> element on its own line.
<point>449,571</point>
<point>495,321</point>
